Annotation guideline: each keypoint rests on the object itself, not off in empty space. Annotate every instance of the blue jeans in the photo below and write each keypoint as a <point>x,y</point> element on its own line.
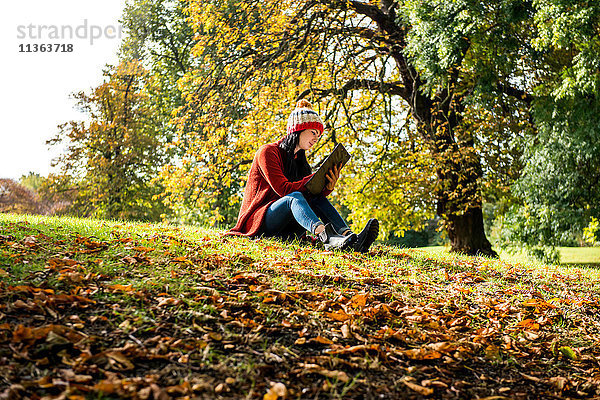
<point>292,215</point>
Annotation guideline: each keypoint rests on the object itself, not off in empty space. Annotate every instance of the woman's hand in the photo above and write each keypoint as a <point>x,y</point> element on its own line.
<point>332,176</point>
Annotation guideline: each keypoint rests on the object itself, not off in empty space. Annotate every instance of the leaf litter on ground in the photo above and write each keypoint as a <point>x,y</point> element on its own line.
<point>95,308</point>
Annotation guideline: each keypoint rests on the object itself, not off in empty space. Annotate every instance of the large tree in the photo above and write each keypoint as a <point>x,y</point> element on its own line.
<point>422,92</point>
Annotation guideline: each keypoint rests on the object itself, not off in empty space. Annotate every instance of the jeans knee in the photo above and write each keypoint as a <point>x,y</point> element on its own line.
<point>296,196</point>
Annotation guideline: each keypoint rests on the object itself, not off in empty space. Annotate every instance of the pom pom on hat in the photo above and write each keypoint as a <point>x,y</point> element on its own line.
<point>304,117</point>
<point>303,103</point>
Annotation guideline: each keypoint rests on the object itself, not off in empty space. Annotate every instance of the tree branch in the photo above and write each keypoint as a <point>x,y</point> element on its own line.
<point>393,88</point>
<point>516,93</point>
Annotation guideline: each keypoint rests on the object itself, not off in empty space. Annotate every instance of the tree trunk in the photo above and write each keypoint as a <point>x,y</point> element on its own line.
<point>467,235</point>
<point>459,171</point>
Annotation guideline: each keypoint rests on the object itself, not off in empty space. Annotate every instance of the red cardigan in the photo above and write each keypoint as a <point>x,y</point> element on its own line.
<point>266,184</point>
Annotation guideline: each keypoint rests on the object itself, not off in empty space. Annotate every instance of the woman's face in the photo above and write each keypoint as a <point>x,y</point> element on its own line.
<point>308,138</point>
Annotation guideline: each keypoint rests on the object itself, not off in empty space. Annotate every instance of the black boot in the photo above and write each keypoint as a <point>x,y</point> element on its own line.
<point>333,241</point>
<point>367,236</point>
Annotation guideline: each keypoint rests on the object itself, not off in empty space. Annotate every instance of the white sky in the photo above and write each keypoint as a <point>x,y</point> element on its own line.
<point>36,87</point>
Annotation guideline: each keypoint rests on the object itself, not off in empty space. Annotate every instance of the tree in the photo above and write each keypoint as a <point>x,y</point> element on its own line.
<point>558,190</point>
<point>114,157</point>
<point>160,37</point>
<point>32,180</point>
<point>425,91</point>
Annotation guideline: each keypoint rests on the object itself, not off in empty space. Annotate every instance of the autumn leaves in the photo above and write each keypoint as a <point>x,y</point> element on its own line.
<point>164,314</point>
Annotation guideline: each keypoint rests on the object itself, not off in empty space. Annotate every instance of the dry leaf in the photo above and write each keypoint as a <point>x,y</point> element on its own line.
<point>492,352</point>
<point>320,339</point>
<point>119,361</point>
<point>359,300</point>
<point>338,316</point>
<point>345,331</point>
<point>122,288</point>
<point>422,354</point>
<point>559,382</point>
<point>418,388</point>
<point>277,390</point>
<point>317,369</point>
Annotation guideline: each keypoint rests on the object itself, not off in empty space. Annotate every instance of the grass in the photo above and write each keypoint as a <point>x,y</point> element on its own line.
<point>129,310</point>
<point>568,255</point>
<point>580,255</point>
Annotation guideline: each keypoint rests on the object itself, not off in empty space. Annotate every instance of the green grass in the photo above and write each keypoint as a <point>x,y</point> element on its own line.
<point>224,317</point>
<point>580,255</point>
<point>568,255</point>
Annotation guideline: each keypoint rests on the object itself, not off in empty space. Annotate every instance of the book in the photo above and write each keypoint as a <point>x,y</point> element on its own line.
<point>339,155</point>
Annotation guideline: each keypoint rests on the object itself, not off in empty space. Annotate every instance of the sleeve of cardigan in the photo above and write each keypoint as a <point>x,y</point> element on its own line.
<point>271,167</point>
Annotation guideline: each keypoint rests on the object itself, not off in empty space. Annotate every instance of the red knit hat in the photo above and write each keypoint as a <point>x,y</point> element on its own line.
<point>304,117</point>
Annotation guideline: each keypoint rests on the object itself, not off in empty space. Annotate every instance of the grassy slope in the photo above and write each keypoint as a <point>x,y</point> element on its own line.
<point>97,308</point>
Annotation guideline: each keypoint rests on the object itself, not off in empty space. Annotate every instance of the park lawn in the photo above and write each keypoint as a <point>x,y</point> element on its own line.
<point>568,255</point>
<point>580,255</point>
<point>104,309</point>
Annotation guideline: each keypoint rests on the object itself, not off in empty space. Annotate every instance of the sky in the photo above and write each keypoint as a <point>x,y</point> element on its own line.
<point>36,87</point>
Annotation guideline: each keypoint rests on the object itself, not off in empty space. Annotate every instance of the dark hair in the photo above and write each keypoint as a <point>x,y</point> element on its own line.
<point>295,166</point>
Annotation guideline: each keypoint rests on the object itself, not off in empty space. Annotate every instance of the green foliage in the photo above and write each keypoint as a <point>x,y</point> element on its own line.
<point>486,41</point>
<point>428,235</point>
<point>591,233</point>
<point>389,179</point>
<point>547,51</point>
<point>559,187</point>
<point>568,30</point>
<point>563,167</point>
<point>162,39</point>
<point>32,180</point>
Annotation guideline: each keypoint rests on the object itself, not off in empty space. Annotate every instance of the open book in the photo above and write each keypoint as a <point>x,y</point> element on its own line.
<point>338,156</point>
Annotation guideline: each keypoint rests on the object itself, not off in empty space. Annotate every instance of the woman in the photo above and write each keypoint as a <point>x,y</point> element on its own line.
<point>276,202</point>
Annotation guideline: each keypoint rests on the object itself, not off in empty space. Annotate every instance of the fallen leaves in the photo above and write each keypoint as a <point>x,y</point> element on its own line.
<point>430,351</point>
<point>216,322</point>
<point>422,354</point>
<point>118,361</point>
<point>529,324</point>
<point>89,245</point>
<point>121,288</point>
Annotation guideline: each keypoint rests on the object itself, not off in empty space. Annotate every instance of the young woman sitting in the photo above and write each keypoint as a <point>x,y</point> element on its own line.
<point>276,202</point>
